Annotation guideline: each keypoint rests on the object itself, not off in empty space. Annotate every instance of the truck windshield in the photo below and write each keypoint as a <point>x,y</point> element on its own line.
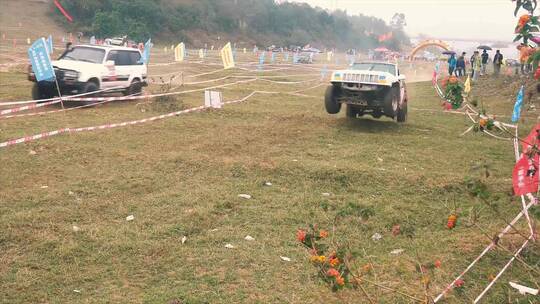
<point>377,67</point>
<point>85,54</point>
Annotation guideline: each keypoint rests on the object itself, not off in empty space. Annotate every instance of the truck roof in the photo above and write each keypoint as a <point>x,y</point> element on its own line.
<point>374,62</point>
<point>107,47</point>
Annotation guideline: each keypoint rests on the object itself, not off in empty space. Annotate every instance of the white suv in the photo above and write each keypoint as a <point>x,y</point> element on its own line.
<point>89,68</point>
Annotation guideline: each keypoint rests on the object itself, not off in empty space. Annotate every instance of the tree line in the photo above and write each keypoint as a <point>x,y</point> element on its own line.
<point>262,21</point>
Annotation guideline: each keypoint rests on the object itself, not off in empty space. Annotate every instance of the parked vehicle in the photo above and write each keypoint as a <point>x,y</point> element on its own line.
<point>89,68</point>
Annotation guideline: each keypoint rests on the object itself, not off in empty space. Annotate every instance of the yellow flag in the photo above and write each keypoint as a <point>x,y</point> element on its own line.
<point>201,53</point>
<point>467,88</point>
<point>245,50</point>
<point>180,52</point>
<point>227,56</point>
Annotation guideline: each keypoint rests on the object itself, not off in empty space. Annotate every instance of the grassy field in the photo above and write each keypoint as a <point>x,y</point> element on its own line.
<point>182,177</point>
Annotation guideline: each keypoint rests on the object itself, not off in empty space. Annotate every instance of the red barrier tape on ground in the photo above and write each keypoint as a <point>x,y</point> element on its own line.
<point>12,103</point>
<point>102,100</point>
<point>134,122</point>
<point>109,126</point>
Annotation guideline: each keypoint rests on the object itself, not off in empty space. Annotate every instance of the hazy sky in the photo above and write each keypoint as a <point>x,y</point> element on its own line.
<point>472,19</point>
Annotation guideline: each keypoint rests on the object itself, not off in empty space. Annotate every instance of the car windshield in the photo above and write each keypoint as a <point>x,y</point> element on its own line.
<point>377,67</point>
<point>86,54</point>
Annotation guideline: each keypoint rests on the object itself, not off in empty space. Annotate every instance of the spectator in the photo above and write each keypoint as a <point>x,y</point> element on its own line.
<point>497,62</point>
<point>485,59</point>
<point>472,64</point>
<point>461,69</point>
<point>476,65</point>
<point>452,64</point>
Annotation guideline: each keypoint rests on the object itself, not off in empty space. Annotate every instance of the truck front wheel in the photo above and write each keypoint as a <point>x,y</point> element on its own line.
<point>330,100</point>
<point>402,113</point>
<point>391,102</point>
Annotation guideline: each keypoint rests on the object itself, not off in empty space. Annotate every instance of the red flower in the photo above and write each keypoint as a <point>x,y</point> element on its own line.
<point>438,264</point>
<point>332,272</point>
<point>447,106</point>
<point>537,74</point>
<point>323,234</point>
<point>334,262</point>
<point>459,283</point>
<point>301,235</point>
<point>452,219</point>
<point>340,281</point>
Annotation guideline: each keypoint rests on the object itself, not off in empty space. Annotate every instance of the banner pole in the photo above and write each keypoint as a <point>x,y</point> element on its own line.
<point>58,90</point>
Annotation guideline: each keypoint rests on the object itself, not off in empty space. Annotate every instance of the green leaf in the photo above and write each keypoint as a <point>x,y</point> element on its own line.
<point>518,37</point>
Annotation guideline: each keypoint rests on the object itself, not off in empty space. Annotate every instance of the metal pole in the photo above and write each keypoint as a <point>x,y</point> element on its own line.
<point>58,90</point>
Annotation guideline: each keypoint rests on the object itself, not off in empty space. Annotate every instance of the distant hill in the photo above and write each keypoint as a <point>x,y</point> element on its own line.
<point>23,19</point>
<point>197,22</point>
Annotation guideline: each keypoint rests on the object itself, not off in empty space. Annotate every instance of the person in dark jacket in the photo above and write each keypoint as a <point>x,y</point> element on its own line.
<point>451,64</point>
<point>472,64</point>
<point>485,59</point>
<point>461,70</point>
<point>497,62</point>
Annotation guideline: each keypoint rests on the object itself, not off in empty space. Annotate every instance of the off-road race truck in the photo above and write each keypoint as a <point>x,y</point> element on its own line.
<point>89,68</point>
<point>368,88</point>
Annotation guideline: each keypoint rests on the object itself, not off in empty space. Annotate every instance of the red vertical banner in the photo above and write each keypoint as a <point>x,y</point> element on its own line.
<point>63,11</point>
<point>525,175</point>
<point>532,139</point>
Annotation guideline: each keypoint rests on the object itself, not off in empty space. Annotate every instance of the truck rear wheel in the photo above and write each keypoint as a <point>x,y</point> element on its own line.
<point>330,100</point>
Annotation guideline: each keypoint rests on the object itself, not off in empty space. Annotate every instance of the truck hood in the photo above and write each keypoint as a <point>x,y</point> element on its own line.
<point>75,65</point>
<point>361,76</point>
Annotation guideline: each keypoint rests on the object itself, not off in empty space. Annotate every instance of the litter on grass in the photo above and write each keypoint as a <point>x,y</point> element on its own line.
<point>286,259</point>
<point>376,237</point>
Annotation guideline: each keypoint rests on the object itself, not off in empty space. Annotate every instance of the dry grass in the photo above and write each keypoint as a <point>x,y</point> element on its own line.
<point>182,176</point>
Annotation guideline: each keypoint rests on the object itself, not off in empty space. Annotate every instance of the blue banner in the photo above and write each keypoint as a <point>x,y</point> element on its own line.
<point>50,44</point>
<point>517,106</point>
<point>41,61</point>
<point>146,54</point>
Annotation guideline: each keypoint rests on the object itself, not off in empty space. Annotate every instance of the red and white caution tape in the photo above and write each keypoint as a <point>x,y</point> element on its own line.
<point>128,123</point>
<point>12,103</point>
<point>57,111</point>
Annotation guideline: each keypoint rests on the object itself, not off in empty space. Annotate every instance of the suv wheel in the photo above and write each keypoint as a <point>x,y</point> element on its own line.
<point>330,100</point>
<point>41,93</point>
<point>87,88</point>
<point>134,88</point>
